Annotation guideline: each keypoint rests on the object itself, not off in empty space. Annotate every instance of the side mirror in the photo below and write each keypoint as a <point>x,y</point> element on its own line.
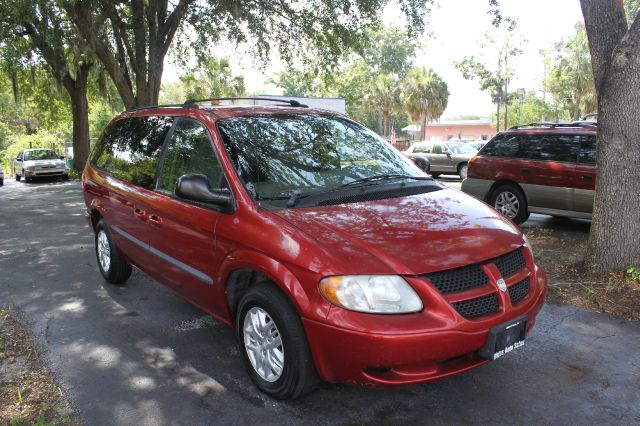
<point>195,187</point>
<point>18,159</point>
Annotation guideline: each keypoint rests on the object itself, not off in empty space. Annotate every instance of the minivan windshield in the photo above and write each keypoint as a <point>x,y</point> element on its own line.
<point>283,154</point>
<point>461,148</point>
<point>40,154</point>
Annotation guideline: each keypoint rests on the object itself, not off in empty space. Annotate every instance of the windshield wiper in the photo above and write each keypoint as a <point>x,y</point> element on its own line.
<point>380,178</point>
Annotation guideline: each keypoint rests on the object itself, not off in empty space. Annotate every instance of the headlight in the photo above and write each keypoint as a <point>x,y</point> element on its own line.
<point>527,244</point>
<point>377,294</point>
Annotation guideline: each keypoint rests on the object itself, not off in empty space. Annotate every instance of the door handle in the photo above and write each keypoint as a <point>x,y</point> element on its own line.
<point>155,220</point>
<point>586,176</point>
<point>524,170</point>
<point>140,214</point>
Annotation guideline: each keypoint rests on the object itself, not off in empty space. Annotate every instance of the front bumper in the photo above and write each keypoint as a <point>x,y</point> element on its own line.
<point>375,359</point>
<point>46,172</point>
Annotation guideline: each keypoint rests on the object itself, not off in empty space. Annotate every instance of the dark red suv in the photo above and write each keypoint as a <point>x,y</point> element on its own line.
<point>544,168</point>
<point>330,253</point>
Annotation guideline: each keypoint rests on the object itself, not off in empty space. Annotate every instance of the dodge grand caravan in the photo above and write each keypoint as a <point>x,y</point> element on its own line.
<point>332,256</point>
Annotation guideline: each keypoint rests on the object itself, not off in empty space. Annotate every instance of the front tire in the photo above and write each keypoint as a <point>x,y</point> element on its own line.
<point>273,343</point>
<point>510,201</point>
<point>462,171</point>
<point>18,177</point>
<point>112,267</point>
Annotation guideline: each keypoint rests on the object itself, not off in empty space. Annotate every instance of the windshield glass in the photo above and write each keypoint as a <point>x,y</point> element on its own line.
<point>279,155</point>
<point>41,154</point>
<point>461,148</point>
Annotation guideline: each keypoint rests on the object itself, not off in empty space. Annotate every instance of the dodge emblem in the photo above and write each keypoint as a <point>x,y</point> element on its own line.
<point>502,285</point>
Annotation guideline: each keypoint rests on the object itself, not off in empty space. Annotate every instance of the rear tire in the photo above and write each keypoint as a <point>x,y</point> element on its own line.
<point>112,267</point>
<point>18,177</point>
<point>510,201</point>
<point>435,175</point>
<point>273,344</point>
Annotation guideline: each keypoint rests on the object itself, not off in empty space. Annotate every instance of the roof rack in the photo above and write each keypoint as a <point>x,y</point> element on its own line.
<point>552,125</point>
<point>193,103</point>
<point>136,108</point>
<point>291,102</point>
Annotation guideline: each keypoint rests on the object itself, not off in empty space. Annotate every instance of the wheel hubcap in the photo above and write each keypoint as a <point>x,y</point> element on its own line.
<point>263,344</point>
<point>463,172</point>
<point>104,251</point>
<point>507,203</point>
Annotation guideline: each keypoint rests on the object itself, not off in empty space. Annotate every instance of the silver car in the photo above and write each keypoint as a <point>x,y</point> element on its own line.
<point>39,162</point>
<point>444,157</point>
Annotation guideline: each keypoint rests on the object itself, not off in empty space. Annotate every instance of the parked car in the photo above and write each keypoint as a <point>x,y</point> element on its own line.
<point>444,157</point>
<point>40,162</point>
<point>539,168</point>
<point>331,255</point>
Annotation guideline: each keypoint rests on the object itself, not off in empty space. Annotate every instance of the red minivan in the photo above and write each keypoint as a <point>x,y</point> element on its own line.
<point>332,256</point>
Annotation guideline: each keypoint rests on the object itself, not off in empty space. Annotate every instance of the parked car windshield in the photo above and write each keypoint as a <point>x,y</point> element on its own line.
<point>279,155</point>
<point>41,154</point>
<point>460,148</point>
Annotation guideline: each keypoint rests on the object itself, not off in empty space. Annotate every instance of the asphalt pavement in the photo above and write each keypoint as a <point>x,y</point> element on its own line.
<point>140,355</point>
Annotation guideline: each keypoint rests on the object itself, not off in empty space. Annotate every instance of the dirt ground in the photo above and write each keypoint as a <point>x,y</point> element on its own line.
<point>29,394</point>
<point>561,253</point>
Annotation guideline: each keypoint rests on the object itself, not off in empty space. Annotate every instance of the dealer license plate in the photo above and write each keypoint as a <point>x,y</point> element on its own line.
<point>505,338</point>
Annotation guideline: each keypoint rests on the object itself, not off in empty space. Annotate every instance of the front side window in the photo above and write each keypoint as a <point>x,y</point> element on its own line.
<point>190,150</point>
<point>437,149</point>
<point>130,149</point>
<point>562,148</point>
<point>511,145</point>
<point>282,154</point>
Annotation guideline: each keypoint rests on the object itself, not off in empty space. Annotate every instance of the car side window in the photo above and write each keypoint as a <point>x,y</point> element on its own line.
<point>419,149</point>
<point>562,148</point>
<point>510,146</point>
<point>587,150</point>
<point>130,149</point>
<point>190,150</point>
<point>437,149</point>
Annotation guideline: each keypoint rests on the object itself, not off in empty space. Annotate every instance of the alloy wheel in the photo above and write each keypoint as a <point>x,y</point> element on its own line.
<point>263,343</point>
<point>104,251</point>
<point>508,204</point>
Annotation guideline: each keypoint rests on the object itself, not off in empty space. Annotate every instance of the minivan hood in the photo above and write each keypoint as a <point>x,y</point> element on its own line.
<point>51,162</point>
<point>408,235</point>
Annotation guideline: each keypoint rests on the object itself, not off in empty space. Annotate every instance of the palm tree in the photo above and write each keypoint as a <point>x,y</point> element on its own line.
<point>425,97</point>
<point>383,99</point>
<point>213,78</point>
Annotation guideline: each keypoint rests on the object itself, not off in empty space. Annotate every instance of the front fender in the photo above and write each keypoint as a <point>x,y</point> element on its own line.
<point>306,299</point>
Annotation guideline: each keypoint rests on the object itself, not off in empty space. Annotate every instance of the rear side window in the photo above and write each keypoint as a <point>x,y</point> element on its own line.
<point>510,145</point>
<point>587,150</point>
<point>130,149</point>
<point>421,149</point>
<point>190,150</point>
<point>437,149</point>
<point>562,148</point>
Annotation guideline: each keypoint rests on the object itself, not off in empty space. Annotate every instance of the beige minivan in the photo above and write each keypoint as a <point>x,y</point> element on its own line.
<point>444,157</point>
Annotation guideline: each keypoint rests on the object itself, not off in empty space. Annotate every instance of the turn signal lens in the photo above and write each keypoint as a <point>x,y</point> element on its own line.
<point>376,294</point>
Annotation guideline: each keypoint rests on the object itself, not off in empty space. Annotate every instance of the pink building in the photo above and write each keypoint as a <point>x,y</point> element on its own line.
<point>456,129</point>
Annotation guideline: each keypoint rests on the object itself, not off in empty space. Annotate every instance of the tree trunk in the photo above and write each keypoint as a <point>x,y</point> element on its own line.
<point>423,127</point>
<point>613,242</point>
<point>77,90</point>
<point>498,115</point>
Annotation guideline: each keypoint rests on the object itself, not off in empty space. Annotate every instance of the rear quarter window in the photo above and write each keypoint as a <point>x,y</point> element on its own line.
<point>130,149</point>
